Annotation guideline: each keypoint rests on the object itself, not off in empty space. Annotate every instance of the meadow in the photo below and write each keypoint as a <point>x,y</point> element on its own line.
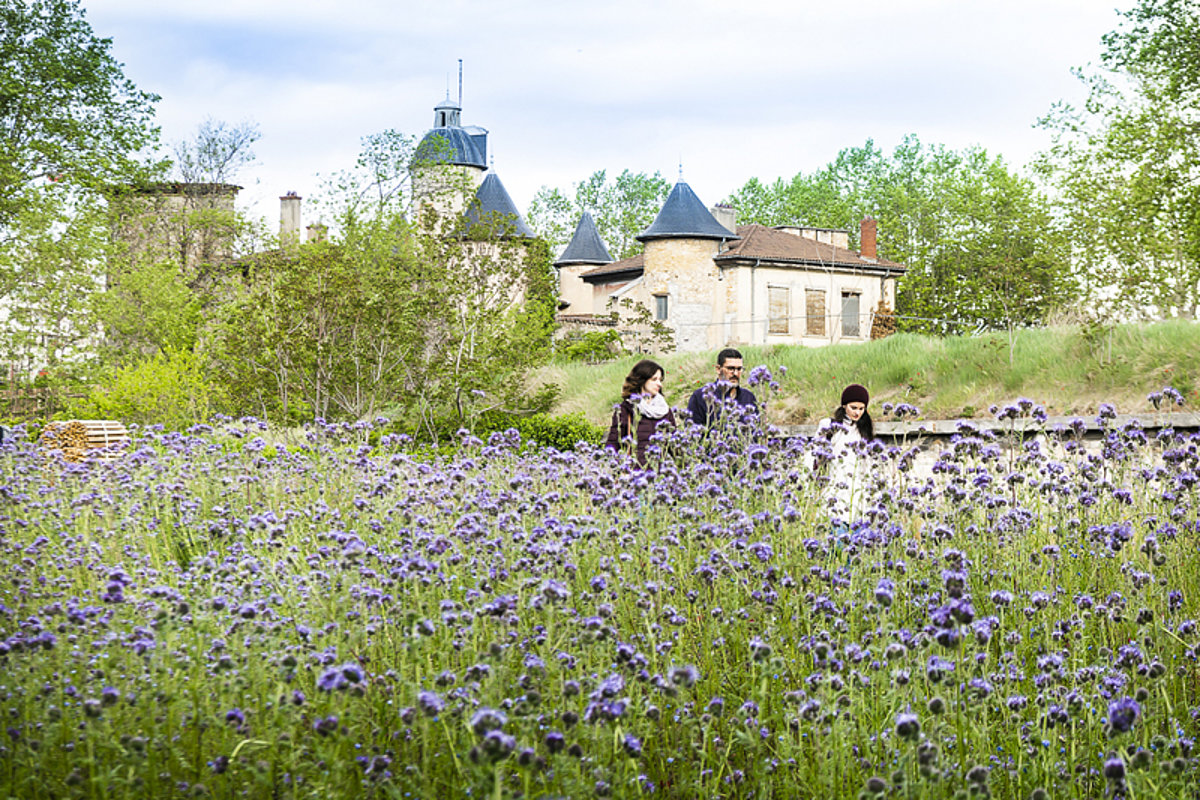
<point>1068,369</point>
<point>233,612</point>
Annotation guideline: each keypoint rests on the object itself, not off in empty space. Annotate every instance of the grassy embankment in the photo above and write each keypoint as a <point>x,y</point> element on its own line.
<point>1066,369</point>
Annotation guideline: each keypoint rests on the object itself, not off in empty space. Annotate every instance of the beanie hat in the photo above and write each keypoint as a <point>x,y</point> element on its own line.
<point>854,393</point>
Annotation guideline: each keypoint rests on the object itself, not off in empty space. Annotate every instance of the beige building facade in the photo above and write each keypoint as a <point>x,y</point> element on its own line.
<point>715,284</point>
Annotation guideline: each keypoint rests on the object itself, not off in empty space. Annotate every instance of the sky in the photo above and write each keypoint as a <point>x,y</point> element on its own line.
<point>715,92</point>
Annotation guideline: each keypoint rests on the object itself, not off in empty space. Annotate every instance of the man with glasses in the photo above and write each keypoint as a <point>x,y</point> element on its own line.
<point>709,401</point>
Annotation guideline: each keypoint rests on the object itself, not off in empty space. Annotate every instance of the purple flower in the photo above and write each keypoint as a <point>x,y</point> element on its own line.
<point>885,592</point>
<point>685,676</point>
<point>331,680</point>
<point>431,704</point>
<point>498,745</point>
<point>908,727</point>
<point>487,719</point>
<point>1122,714</point>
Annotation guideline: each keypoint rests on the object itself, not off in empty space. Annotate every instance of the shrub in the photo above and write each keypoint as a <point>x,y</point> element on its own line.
<point>561,431</point>
<point>593,347</point>
<point>171,389</point>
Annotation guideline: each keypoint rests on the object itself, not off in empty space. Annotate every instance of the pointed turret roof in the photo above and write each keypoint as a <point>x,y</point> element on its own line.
<point>586,246</point>
<point>491,198</point>
<point>683,216</point>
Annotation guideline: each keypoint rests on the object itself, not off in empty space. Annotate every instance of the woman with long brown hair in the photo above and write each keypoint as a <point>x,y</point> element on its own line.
<point>642,410</point>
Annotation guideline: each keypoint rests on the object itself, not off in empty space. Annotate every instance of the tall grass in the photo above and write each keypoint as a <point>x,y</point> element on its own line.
<point>213,616</point>
<point>1069,370</point>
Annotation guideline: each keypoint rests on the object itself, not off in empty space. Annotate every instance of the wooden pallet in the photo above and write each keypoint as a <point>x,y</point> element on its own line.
<point>77,438</point>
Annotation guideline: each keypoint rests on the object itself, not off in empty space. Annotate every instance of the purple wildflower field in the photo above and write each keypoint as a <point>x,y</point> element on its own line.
<point>233,612</point>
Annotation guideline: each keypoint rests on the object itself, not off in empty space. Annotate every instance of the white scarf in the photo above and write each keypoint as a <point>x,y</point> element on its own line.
<point>653,407</point>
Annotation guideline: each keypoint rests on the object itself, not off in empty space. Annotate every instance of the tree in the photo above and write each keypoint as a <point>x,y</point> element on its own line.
<point>67,112</point>
<point>174,245</point>
<point>979,241</point>
<point>71,124</point>
<point>406,308</point>
<point>51,265</point>
<point>217,152</point>
<point>622,209</point>
<point>1127,164</point>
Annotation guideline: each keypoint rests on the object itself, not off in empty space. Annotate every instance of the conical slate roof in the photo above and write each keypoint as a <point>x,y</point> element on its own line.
<point>453,146</point>
<point>586,246</point>
<point>492,198</point>
<point>683,216</point>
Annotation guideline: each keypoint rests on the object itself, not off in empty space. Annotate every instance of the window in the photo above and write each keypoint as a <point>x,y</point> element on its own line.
<point>660,306</point>
<point>814,312</point>
<point>779,301</point>
<point>850,316</point>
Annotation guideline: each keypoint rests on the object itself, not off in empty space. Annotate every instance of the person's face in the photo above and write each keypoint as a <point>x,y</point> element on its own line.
<point>730,371</point>
<point>653,384</point>
<point>854,411</point>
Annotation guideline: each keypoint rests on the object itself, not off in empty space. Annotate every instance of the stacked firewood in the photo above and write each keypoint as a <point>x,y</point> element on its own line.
<point>883,321</point>
<point>76,438</point>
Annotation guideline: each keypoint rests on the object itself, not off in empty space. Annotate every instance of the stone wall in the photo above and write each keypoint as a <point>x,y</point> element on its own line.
<point>683,270</point>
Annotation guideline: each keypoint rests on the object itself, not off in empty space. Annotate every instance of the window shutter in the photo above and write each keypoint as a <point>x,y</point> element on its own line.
<point>780,301</point>
<point>814,312</point>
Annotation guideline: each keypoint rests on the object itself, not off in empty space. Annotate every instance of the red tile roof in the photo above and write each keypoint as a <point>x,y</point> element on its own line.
<point>759,242</point>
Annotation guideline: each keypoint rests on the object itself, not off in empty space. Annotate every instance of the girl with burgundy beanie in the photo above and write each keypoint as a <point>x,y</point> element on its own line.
<point>853,411</point>
<point>845,430</point>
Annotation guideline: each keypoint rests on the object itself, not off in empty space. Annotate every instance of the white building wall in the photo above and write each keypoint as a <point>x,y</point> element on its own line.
<point>753,289</point>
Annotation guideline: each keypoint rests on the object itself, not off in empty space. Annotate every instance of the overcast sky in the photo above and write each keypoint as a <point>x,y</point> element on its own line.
<point>732,89</point>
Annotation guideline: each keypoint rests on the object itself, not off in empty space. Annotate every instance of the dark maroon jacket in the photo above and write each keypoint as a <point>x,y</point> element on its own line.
<point>622,420</point>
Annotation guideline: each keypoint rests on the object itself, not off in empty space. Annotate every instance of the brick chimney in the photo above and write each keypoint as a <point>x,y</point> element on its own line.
<point>289,219</point>
<point>317,232</point>
<point>866,239</point>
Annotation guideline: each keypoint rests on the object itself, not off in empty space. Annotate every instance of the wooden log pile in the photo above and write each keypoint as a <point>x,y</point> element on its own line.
<point>76,438</point>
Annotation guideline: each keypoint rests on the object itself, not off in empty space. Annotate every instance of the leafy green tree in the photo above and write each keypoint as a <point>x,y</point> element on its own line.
<point>67,112</point>
<point>71,124</point>
<point>622,209</point>
<point>1127,164</point>
<point>217,153</point>
<point>407,308</point>
<point>50,268</point>
<point>174,245</point>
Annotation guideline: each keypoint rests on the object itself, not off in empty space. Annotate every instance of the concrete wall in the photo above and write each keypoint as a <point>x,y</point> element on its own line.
<point>193,225</point>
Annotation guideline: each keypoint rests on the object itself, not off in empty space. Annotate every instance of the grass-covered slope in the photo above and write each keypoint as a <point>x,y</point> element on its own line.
<point>1069,370</point>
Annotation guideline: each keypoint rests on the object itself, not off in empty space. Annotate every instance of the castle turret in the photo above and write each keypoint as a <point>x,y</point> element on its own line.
<point>450,160</point>
<point>585,251</point>
<point>495,209</point>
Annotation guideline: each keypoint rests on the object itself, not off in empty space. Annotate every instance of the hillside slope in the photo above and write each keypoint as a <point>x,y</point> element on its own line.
<point>1070,370</point>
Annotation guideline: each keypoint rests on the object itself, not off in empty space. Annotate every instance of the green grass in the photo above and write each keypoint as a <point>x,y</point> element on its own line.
<point>1067,369</point>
